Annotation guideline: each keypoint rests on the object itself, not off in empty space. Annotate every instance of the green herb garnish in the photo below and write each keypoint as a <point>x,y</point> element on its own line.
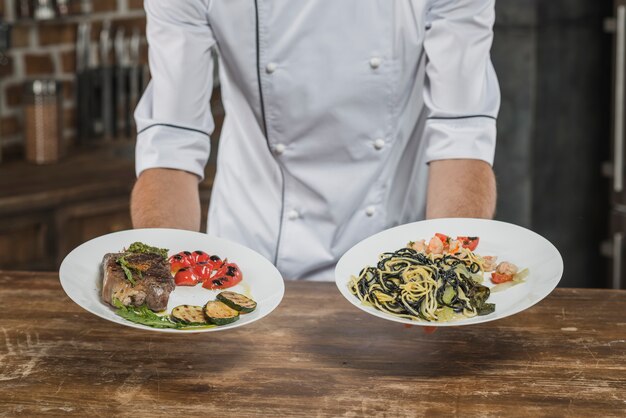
<point>144,316</point>
<point>140,247</point>
<point>127,269</point>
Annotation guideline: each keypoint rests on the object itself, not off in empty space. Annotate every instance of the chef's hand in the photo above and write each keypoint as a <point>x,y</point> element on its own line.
<point>460,189</point>
<point>164,198</point>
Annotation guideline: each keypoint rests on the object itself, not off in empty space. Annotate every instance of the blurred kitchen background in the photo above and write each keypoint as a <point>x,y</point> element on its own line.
<point>73,69</point>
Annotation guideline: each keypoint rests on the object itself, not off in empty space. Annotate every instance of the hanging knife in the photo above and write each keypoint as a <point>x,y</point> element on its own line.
<point>121,83</point>
<point>83,87</point>
<point>107,81</point>
<point>136,77</point>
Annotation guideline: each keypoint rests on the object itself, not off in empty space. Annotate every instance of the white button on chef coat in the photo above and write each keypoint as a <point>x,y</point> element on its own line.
<point>433,95</point>
<point>379,143</point>
<point>292,215</point>
<point>279,149</point>
<point>271,67</point>
<point>370,211</point>
<point>375,62</point>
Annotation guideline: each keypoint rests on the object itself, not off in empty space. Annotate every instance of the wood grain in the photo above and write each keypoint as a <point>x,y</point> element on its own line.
<point>316,355</point>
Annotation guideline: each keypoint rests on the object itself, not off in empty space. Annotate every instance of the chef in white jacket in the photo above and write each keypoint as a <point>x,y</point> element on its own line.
<point>343,118</point>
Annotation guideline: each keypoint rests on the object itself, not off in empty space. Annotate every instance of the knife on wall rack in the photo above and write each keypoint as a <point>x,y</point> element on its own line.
<point>136,79</point>
<point>121,82</point>
<point>83,87</point>
<point>106,74</point>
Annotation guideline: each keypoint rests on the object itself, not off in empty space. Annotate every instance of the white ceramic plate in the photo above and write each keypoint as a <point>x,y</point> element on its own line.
<point>81,274</point>
<point>509,242</point>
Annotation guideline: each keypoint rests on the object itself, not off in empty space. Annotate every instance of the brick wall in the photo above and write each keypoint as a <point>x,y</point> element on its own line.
<point>47,49</point>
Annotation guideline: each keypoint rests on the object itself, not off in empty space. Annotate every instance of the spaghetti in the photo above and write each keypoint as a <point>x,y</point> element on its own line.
<point>433,287</point>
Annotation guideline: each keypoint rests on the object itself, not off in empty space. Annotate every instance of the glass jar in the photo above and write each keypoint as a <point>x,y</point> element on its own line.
<point>43,121</point>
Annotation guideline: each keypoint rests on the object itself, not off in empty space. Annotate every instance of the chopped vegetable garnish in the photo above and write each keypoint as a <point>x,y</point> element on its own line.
<point>140,247</point>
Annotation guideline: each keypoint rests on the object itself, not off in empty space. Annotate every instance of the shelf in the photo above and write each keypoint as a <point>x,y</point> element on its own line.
<point>87,173</point>
<point>29,22</point>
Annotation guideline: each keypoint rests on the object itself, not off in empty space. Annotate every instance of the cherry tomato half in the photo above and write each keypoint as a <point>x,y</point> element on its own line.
<point>498,278</point>
<point>199,257</point>
<point>185,256</point>
<point>185,277</point>
<point>444,238</point>
<point>215,262</point>
<point>178,262</point>
<point>228,275</point>
<point>203,271</point>
<point>469,242</point>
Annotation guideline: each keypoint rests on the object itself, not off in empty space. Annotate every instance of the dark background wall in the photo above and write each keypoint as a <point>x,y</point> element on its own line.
<point>554,64</point>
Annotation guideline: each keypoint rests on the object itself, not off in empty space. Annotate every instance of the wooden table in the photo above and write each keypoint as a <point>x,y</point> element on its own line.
<point>316,355</point>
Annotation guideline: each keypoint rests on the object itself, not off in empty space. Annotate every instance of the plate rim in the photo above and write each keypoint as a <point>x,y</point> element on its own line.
<point>383,315</point>
<point>64,266</point>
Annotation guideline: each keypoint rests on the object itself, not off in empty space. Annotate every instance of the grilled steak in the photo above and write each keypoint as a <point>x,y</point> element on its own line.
<point>151,273</point>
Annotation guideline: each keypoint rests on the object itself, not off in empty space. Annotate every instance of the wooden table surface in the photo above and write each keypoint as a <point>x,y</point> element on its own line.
<point>316,355</point>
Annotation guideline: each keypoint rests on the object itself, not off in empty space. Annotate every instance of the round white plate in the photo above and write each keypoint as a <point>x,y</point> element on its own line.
<point>81,274</point>
<point>509,242</point>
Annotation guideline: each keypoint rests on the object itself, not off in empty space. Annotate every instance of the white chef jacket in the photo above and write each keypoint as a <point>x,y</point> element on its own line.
<point>333,110</point>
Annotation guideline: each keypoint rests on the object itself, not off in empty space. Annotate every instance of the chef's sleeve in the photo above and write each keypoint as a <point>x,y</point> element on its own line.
<point>173,117</point>
<point>461,91</point>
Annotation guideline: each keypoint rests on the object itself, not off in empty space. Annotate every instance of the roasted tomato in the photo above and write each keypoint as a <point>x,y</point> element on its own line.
<point>185,277</point>
<point>498,278</point>
<point>203,270</point>
<point>187,254</point>
<point>216,261</point>
<point>178,262</point>
<point>444,238</point>
<point>199,257</point>
<point>469,242</point>
<point>191,268</point>
<point>228,275</point>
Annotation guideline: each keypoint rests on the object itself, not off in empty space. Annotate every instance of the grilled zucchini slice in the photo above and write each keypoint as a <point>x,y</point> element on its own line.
<point>189,314</point>
<point>219,313</point>
<point>237,301</point>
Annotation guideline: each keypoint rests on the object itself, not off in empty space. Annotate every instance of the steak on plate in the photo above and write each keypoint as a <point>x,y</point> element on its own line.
<point>151,273</point>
